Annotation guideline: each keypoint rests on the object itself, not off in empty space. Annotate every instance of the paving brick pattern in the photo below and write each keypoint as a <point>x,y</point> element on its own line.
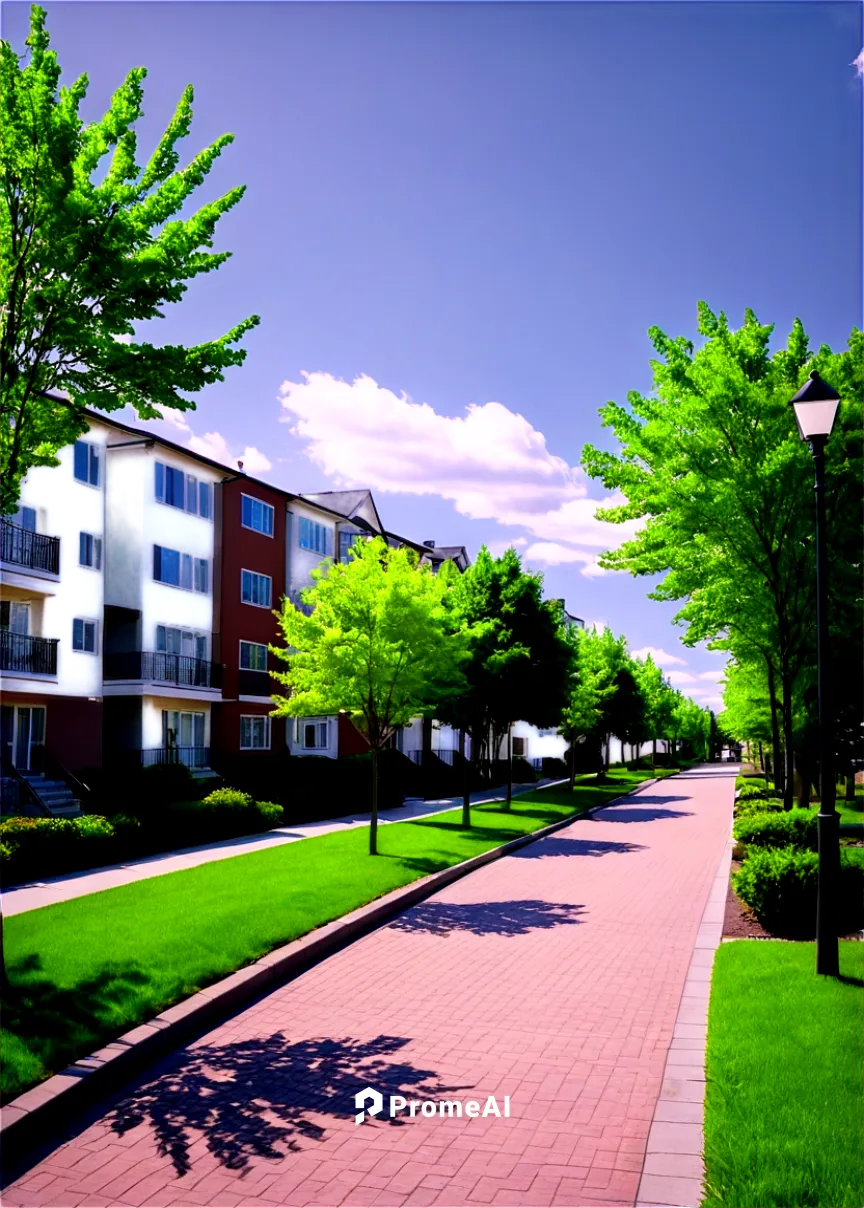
<point>553,976</point>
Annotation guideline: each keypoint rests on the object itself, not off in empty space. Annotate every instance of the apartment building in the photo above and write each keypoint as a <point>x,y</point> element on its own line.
<point>52,581</point>
<point>160,678</point>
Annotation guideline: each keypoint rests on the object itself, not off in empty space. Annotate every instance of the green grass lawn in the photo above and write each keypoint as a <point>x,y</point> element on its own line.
<point>84,971</point>
<point>783,1123</point>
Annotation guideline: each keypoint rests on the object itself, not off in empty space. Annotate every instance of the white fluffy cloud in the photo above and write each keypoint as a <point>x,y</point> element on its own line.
<point>715,676</point>
<point>491,463</point>
<point>661,657</point>
<point>679,678</point>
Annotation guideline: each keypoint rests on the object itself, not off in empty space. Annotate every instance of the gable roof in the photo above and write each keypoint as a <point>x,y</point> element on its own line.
<point>357,504</point>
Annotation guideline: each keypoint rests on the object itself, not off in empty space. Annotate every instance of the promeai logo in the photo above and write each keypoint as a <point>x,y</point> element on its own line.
<point>398,1104</point>
<point>368,1095</point>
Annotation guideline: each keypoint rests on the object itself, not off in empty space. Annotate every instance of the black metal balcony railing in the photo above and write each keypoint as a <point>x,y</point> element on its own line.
<point>156,668</point>
<point>256,683</point>
<point>21,547</point>
<point>193,757</point>
<point>20,652</point>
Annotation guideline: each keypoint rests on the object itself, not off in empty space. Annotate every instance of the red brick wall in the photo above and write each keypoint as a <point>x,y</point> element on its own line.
<point>243,549</point>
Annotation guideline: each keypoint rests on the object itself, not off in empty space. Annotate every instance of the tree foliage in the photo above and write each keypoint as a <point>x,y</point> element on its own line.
<point>87,249</point>
<point>713,466</point>
<point>376,644</point>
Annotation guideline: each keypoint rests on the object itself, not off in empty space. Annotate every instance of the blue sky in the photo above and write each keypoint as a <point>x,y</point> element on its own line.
<point>486,206</point>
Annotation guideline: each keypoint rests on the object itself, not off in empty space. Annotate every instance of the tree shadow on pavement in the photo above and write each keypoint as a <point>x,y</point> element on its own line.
<point>649,799</point>
<point>486,918</point>
<point>258,1098</point>
<point>560,846</point>
<point>628,814</point>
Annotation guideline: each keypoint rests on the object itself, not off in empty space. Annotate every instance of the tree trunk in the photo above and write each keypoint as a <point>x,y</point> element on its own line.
<point>572,762</point>
<point>653,753</point>
<point>508,800</point>
<point>776,757</point>
<point>466,781</point>
<point>373,825</point>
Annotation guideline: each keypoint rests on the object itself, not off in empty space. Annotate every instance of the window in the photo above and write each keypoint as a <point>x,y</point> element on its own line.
<point>256,515</point>
<point>90,550</point>
<point>255,588</point>
<point>186,732</point>
<point>518,746</point>
<point>314,536</point>
<point>170,640</point>
<point>84,635</point>
<point>14,616</point>
<point>87,463</point>
<point>180,490</point>
<point>180,570</point>
<point>253,656</point>
<point>346,540</point>
<point>312,735</point>
<point>254,733</point>
<point>25,518</point>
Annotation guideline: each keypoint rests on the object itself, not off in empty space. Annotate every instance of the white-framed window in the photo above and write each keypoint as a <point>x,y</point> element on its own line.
<point>87,458</point>
<point>184,730</point>
<point>317,537</point>
<point>188,642</point>
<point>311,735</point>
<point>177,489</point>
<point>255,589</point>
<point>253,656</point>
<point>176,569</point>
<point>257,515</point>
<point>254,732</point>
<point>84,635</point>
<point>90,551</point>
<point>346,540</point>
<point>15,616</point>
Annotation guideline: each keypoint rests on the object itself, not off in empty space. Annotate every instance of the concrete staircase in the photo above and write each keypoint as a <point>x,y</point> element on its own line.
<point>55,795</point>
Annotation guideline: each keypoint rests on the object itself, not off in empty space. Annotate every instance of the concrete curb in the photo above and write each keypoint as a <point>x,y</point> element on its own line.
<point>27,1120</point>
<point>673,1172</point>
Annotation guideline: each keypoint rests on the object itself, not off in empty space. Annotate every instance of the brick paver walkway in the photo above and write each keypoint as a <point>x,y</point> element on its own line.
<point>552,976</point>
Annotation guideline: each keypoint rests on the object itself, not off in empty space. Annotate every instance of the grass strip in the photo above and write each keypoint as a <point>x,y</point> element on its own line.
<point>85,971</point>
<point>784,1079</point>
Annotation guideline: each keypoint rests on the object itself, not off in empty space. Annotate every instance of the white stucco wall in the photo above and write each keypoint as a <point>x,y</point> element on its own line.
<point>65,508</point>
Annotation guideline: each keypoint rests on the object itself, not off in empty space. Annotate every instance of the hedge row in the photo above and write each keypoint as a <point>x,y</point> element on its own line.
<point>779,885</point>
<point>44,847</point>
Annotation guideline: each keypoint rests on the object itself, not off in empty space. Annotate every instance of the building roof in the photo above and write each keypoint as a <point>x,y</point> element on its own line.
<point>355,504</point>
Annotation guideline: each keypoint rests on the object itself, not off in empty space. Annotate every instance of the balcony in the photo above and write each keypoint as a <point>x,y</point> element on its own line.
<point>181,670</point>
<point>255,683</point>
<point>26,655</point>
<point>22,548</point>
<point>192,757</point>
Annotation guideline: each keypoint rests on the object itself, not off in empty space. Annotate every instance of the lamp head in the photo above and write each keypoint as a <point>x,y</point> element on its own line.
<point>815,406</point>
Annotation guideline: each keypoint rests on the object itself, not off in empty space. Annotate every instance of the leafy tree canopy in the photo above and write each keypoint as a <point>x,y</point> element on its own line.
<point>87,249</point>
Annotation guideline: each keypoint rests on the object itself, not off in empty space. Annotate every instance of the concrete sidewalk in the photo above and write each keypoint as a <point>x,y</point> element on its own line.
<point>34,894</point>
<point>553,977</point>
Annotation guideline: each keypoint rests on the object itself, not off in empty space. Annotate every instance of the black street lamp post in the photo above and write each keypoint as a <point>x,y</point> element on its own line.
<point>815,407</point>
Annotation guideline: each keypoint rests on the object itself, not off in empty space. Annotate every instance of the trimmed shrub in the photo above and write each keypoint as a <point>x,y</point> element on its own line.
<point>793,828</point>
<point>758,805</point>
<point>554,769</point>
<point>44,847</point>
<point>228,798</point>
<point>270,813</point>
<point>754,790</point>
<point>779,886</point>
<point>164,784</point>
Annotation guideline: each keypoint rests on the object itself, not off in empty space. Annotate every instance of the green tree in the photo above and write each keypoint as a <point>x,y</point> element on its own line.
<point>376,644</point>
<point>658,698</point>
<point>87,250</point>
<point>592,682</point>
<point>519,662</point>
<point>712,464</point>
